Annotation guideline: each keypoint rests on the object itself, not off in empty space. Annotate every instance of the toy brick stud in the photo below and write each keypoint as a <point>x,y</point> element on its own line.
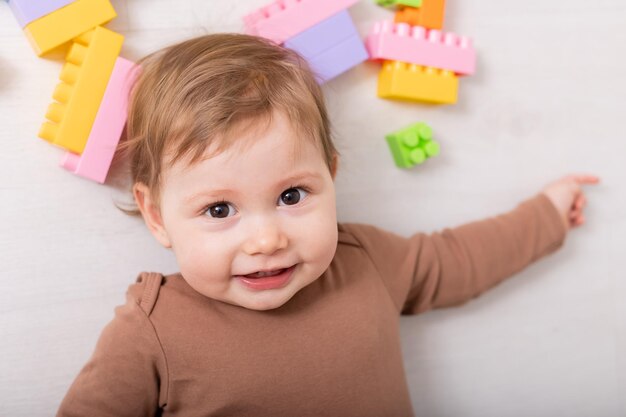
<point>412,145</point>
<point>411,141</point>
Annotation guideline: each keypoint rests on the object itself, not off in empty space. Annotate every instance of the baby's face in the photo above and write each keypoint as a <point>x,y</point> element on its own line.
<point>253,225</point>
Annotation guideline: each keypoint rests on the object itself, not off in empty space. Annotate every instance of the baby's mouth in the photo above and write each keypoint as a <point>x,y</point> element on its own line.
<point>267,280</point>
<point>263,274</point>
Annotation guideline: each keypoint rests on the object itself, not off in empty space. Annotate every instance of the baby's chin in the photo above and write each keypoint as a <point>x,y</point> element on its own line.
<point>236,295</point>
<point>264,306</point>
<point>266,300</point>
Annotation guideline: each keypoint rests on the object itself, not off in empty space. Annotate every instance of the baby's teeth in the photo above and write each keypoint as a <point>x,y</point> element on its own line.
<point>265,274</point>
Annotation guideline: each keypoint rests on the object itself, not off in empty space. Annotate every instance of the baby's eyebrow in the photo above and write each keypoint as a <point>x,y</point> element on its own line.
<point>301,176</point>
<point>206,194</point>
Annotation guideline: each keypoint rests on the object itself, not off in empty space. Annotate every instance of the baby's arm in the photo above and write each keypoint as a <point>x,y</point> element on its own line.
<point>453,266</point>
<point>125,373</point>
<point>476,256</point>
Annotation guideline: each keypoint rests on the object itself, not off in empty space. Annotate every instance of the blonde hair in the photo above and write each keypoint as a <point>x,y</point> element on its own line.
<point>203,90</point>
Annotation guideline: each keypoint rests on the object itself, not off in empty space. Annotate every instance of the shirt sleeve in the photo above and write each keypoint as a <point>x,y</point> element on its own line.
<point>450,267</point>
<point>125,373</point>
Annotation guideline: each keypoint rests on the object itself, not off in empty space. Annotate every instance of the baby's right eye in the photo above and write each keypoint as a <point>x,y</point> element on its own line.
<point>220,210</point>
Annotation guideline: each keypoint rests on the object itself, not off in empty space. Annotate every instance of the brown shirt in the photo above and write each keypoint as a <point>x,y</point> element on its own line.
<point>332,350</point>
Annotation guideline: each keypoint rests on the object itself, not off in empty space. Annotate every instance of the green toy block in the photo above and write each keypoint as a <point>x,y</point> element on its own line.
<point>412,145</point>
<point>395,3</point>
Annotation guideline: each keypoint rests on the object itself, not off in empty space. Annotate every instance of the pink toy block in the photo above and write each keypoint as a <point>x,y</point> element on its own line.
<point>107,129</point>
<point>27,11</point>
<point>283,19</point>
<point>420,46</point>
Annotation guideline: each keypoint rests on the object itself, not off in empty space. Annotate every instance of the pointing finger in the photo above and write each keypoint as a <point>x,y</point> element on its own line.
<point>585,179</point>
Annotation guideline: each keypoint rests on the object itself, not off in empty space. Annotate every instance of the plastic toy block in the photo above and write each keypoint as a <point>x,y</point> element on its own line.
<point>418,45</point>
<point>27,11</point>
<point>84,80</point>
<point>412,145</point>
<point>67,23</point>
<point>284,19</point>
<point>107,129</point>
<point>402,81</point>
<point>348,54</point>
<point>331,47</point>
<point>410,15</point>
<point>430,14</point>
<point>394,3</point>
<point>323,36</point>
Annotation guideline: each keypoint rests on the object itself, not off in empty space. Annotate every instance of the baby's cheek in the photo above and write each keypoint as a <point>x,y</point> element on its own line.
<point>206,268</point>
<point>322,237</point>
<point>203,258</point>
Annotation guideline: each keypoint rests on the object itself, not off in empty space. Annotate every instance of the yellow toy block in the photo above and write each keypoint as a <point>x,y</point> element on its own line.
<point>84,80</point>
<point>66,23</point>
<point>402,81</point>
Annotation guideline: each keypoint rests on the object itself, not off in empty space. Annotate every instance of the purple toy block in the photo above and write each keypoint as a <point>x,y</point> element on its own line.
<point>331,47</point>
<point>323,36</point>
<point>337,60</point>
<point>27,11</point>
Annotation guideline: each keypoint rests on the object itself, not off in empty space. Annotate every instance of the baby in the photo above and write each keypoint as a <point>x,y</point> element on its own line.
<point>277,309</point>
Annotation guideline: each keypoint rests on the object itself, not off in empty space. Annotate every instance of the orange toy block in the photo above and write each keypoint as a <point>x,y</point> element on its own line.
<point>430,15</point>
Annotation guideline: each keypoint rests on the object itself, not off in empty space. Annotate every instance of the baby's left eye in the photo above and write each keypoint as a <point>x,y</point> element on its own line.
<point>292,196</point>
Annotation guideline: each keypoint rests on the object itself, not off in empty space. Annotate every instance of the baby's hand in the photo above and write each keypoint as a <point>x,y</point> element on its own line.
<point>567,196</point>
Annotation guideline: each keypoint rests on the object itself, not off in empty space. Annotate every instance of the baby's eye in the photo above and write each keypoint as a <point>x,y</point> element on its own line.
<point>221,210</point>
<point>292,196</point>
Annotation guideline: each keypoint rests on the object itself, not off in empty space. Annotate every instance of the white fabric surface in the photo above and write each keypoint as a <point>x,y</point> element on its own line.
<point>546,100</point>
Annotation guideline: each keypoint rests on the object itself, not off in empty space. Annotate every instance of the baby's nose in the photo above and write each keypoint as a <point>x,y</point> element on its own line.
<point>265,239</point>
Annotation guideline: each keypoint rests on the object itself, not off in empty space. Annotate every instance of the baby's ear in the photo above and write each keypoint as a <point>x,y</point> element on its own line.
<point>334,166</point>
<point>151,213</point>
